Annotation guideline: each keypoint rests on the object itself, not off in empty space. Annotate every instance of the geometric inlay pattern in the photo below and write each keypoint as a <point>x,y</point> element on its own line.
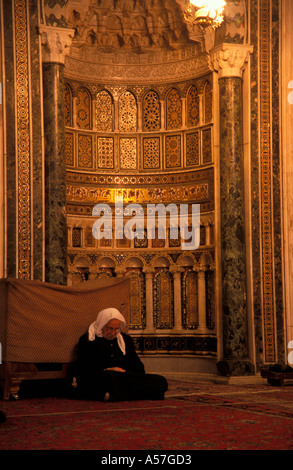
<point>83,109</point>
<point>151,112</point>
<point>76,237</point>
<point>151,153</point>
<point>174,110</point>
<point>192,149</point>
<point>173,151</point>
<point>206,145</point>
<point>104,114</point>
<point>69,148</point>
<point>208,102</point>
<point>85,152</point>
<point>190,299</point>
<point>105,152</point>
<point>163,300</point>
<point>137,300</point>
<point>192,107</point>
<point>128,153</point>
<point>140,239</point>
<point>127,112</point>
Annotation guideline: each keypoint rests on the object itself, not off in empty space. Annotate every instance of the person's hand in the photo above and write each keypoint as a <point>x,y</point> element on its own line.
<point>117,369</point>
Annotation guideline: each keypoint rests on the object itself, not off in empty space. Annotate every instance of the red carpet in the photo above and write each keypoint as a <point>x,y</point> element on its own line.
<point>194,416</point>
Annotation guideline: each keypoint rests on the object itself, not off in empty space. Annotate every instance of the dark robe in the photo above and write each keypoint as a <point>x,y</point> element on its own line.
<point>133,384</point>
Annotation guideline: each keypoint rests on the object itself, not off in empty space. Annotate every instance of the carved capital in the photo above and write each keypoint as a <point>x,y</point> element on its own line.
<point>56,43</point>
<point>229,59</point>
<point>149,272</point>
<point>176,270</point>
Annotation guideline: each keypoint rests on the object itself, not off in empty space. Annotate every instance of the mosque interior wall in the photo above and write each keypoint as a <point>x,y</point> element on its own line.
<point>138,116</point>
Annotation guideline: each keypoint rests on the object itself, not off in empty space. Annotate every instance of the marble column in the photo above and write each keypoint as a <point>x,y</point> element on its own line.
<point>229,60</point>
<point>287,164</point>
<point>55,44</point>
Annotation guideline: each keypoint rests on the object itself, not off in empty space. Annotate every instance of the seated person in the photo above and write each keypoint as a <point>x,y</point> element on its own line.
<point>108,367</point>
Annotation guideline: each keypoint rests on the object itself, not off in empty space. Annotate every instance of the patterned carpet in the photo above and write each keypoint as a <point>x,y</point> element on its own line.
<point>194,416</point>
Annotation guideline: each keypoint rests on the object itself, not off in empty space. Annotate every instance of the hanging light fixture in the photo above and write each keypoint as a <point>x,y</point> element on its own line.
<point>205,12</point>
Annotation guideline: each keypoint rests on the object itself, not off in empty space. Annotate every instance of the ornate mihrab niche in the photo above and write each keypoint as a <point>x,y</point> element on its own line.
<point>126,40</point>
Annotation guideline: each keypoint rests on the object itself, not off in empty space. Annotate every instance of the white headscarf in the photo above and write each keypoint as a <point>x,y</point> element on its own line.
<point>104,316</point>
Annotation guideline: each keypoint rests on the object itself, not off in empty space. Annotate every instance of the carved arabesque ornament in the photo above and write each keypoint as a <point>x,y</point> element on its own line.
<point>128,40</point>
<point>229,59</point>
<point>56,43</point>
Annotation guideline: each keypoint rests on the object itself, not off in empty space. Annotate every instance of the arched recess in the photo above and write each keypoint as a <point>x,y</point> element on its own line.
<point>192,101</point>
<point>173,110</point>
<point>81,268</point>
<point>83,109</point>
<point>137,309</point>
<point>127,115</point>
<point>151,111</point>
<point>190,318</point>
<point>163,299</point>
<point>106,267</point>
<point>104,112</point>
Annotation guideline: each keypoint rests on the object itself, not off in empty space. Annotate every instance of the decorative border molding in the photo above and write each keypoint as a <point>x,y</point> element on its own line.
<point>75,177</point>
<point>266,188</point>
<point>152,69</point>
<point>23,139</point>
<point>86,189</point>
<point>177,194</point>
<point>205,345</point>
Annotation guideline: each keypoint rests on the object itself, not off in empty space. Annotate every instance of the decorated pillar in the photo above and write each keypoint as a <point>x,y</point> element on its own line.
<point>55,45</point>
<point>287,165</point>
<point>229,61</point>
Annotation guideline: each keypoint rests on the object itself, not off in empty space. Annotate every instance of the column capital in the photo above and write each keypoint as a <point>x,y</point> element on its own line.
<point>149,271</point>
<point>176,269</point>
<point>229,59</point>
<point>120,271</point>
<point>202,273</point>
<point>56,43</point>
<point>201,269</point>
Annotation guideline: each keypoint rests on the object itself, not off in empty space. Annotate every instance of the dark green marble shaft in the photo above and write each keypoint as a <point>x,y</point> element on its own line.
<point>235,333</point>
<point>55,174</point>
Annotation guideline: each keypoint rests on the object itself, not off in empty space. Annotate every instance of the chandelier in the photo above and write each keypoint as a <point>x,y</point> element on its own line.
<point>205,12</point>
